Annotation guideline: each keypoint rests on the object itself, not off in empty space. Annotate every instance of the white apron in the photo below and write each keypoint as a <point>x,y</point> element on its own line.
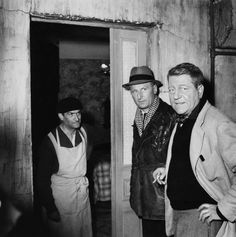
<point>70,190</point>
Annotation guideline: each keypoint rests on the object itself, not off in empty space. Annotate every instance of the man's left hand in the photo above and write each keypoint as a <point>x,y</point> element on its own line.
<point>207,213</point>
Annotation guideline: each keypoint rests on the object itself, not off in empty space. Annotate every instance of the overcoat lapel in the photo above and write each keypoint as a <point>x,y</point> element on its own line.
<point>197,137</point>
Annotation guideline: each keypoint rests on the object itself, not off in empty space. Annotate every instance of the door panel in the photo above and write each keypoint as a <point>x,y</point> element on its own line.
<point>127,49</point>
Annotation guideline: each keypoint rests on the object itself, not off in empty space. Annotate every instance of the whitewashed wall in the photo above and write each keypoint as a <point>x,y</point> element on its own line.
<point>184,37</point>
<point>15,137</point>
<point>135,10</point>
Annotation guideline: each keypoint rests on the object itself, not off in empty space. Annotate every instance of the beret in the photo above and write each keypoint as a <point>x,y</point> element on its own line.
<point>68,104</point>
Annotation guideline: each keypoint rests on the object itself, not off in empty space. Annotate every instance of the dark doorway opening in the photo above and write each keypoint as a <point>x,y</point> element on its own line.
<point>72,60</point>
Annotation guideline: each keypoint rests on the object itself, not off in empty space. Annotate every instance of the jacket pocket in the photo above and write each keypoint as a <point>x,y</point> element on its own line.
<point>209,164</point>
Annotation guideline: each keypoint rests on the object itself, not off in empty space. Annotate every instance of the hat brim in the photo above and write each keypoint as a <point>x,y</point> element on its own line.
<point>127,85</point>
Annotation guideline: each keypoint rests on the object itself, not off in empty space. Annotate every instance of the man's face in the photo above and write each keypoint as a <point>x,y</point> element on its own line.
<point>71,119</point>
<point>143,95</point>
<point>184,96</point>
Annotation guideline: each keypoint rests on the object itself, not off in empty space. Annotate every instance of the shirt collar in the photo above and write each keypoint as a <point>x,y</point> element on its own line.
<point>197,109</point>
<point>181,118</point>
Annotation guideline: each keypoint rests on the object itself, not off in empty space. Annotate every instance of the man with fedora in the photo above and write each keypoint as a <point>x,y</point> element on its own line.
<point>61,181</point>
<point>153,123</point>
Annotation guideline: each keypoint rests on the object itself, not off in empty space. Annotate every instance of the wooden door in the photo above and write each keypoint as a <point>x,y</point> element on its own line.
<point>127,49</point>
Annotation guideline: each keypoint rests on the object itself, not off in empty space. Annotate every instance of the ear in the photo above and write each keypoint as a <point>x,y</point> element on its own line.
<point>200,89</point>
<point>155,90</point>
<point>60,116</point>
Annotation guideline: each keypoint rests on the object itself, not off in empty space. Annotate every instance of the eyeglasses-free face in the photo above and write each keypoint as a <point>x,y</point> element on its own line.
<point>71,114</point>
<point>143,95</point>
<point>71,119</point>
<point>184,95</point>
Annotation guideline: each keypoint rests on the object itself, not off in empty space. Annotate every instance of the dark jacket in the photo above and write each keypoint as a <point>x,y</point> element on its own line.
<point>148,153</point>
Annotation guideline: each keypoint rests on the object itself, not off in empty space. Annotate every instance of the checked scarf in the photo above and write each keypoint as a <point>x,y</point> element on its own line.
<point>141,125</point>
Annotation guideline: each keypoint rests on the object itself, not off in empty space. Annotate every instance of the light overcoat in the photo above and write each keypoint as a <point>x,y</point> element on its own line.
<point>213,160</point>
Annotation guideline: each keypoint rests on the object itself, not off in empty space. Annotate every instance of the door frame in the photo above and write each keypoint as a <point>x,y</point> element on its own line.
<point>151,30</point>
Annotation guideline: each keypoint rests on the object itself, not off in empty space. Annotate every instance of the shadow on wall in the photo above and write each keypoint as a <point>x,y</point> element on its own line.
<point>8,150</point>
<point>4,169</point>
<point>17,222</point>
<point>208,91</point>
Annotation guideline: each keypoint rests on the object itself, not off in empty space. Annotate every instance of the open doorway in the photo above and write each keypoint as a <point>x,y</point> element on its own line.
<point>73,60</point>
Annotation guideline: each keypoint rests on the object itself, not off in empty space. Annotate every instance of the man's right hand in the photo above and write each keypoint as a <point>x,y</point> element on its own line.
<point>159,175</point>
<point>54,216</point>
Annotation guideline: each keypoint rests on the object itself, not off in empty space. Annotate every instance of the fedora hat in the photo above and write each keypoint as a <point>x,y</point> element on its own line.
<point>140,75</point>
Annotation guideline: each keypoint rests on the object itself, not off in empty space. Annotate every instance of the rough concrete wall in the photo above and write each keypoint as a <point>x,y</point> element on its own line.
<point>184,37</point>
<point>225,23</point>
<point>135,10</point>
<point>225,66</point>
<point>234,18</point>
<point>225,85</point>
<point>15,142</point>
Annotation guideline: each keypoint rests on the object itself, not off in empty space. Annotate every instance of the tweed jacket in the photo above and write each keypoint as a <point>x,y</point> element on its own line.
<point>148,153</point>
<point>213,160</point>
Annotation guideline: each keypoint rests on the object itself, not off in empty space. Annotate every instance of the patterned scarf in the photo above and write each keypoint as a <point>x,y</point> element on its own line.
<point>180,119</point>
<point>141,125</point>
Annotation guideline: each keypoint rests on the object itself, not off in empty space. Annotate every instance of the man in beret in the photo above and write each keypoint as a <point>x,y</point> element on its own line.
<point>153,123</point>
<point>61,182</point>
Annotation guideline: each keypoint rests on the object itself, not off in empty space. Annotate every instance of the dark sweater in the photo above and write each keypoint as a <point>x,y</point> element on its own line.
<point>183,189</point>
